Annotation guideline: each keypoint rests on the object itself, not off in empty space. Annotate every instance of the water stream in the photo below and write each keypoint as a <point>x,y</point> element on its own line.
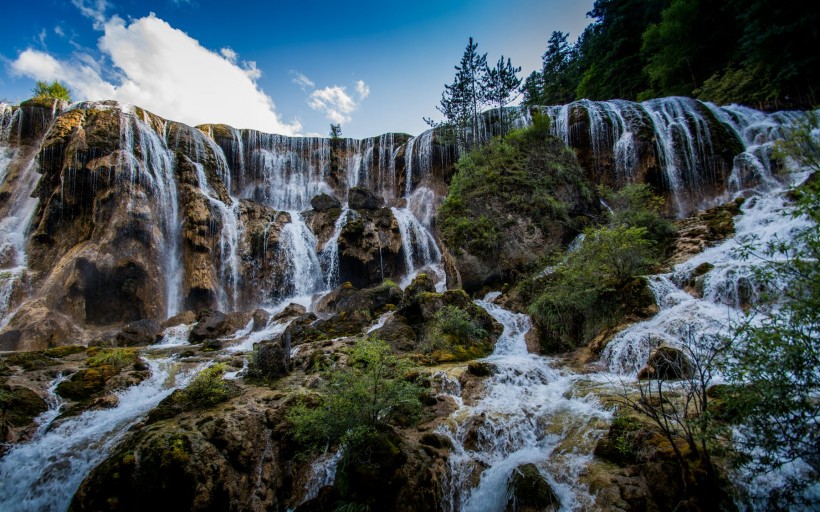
<point>528,411</point>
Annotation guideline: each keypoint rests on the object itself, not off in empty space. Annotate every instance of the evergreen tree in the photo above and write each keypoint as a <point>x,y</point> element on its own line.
<point>461,101</point>
<point>560,78</point>
<point>499,83</point>
<point>533,89</point>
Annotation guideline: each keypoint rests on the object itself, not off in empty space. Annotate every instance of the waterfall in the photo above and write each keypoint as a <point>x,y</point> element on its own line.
<point>299,244</point>
<point>330,252</point>
<point>155,168</point>
<point>526,411</point>
<point>17,209</point>
<point>418,245</point>
<point>44,474</point>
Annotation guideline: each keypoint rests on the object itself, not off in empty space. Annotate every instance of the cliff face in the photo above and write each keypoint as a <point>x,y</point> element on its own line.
<point>112,214</point>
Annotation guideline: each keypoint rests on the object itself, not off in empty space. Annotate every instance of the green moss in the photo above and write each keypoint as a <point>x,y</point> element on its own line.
<point>116,357</point>
<point>30,360</point>
<point>59,352</point>
<point>208,388</point>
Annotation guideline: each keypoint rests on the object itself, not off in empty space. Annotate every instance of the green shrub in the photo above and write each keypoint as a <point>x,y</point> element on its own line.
<point>116,357</point>
<point>355,402</point>
<point>636,206</point>
<point>208,388</point>
<point>54,90</point>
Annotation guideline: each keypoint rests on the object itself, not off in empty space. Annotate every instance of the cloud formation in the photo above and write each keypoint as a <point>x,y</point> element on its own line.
<point>333,100</point>
<point>164,70</point>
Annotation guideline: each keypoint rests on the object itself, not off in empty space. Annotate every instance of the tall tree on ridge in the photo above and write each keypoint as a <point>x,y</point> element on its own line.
<point>461,101</point>
<point>499,84</point>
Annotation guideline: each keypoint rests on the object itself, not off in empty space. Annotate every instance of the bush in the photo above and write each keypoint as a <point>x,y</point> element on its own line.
<point>54,90</point>
<point>208,388</point>
<point>636,206</point>
<point>585,293</point>
<point>356,402</point>
<point>116,357</point>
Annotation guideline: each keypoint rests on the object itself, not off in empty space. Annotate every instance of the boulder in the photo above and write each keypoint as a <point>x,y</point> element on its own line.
<point>667,363</point>
<point>530,492</point>
<point>212,325</point>
<point>271,359</point>
<point>139,334</point>
<point>360,198</point>
<point>324,202</point>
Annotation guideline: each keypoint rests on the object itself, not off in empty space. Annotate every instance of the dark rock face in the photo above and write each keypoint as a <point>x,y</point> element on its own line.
<point>530,492</point>
<point>215,324</point>
<point>139,333</point>
<point>324,202</point>
<point>360,198</point>
<point>271,359</point>
<point>667,363</point>
<point>370,248</point>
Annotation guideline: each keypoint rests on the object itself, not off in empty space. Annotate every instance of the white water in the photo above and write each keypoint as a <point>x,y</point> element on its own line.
<point>148,159</point>
<point>43,474</point>
<point>330,252</point>
<point>16,211</point>
<point>304,275</point>
<point>528,411</point>
<point>418,245</point>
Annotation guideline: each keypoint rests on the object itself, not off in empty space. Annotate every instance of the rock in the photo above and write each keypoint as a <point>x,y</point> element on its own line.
<point>139,334</point>
<point>184,318</point>
<point>19,406</point>
<point>290,311</point>
<point>667,363</point>
<point>271,360</point>
<point>212,325</point>
<point>480,368</point>
<point>360,198</point>
<point>530,492</point>
<point>370,248</point>
<point>324,202</point>
<point>398,334</point>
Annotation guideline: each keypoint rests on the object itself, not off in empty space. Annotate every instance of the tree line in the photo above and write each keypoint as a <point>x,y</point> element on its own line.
<point>761,53</point>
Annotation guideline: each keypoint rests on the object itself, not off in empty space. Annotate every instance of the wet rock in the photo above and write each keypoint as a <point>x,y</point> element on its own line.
<point>212,325</point>
<point>35,326</point>
<point>667,363</point>
<point>290,311</point>
<point>271,359</point>
<point>370,248</point>
<point>184,318</point>
<point>139,334</point>
<point>480,368</point>
<point>360,198</point>
<point>398,334</point>
<point>324,202</point>
<point>530,492</point>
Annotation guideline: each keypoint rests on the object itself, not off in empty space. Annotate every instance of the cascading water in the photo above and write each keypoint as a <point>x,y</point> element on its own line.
<point>419,246</point>
<point>526,413</point>
<point>17,209</point>
<point>43,474</point>
<point>147,157</point>
<point>305,272</point>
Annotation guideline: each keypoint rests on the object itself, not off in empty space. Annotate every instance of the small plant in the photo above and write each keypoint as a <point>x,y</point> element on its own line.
<point>54,90</point>
<point>116,357</point>
<point>208,388</point>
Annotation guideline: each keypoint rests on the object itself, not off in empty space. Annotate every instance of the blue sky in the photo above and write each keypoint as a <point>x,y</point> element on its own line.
<point>285,67</point>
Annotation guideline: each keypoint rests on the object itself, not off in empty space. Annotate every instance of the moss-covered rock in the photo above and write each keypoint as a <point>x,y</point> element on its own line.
<point>530,492</point>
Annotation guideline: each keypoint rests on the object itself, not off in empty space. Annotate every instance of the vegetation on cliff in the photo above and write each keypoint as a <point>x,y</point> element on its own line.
<point>529,177</point>
<point>759,53</point>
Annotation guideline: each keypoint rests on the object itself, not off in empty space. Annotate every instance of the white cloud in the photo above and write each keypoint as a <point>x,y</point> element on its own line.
<point>165,71</point>
<point>334,102</point>
<point>302,81</point>
<point>94,9</point>
<point>59,31</point>
<point>229,54</point>
<point>363,89</point>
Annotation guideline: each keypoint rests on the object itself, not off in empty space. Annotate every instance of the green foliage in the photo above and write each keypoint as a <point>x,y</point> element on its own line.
<point>455,322</point>
<point>116,357</point>
<point>775,361</point>
<point>592,286</point>
<point>54,90</point>
<point>208,388</point>
<point>456,333</point>
<point>636,206</point>
<point>520,176</point>
<point>335,131</point>
<point>357,401</point>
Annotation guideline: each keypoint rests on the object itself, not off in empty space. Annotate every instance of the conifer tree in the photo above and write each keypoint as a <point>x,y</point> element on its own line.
<point>461,101</point>
<point>500,86</point>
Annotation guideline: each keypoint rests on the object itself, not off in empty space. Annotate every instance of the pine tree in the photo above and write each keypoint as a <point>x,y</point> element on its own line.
<point>499,84</point>
<point>461,101</point>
